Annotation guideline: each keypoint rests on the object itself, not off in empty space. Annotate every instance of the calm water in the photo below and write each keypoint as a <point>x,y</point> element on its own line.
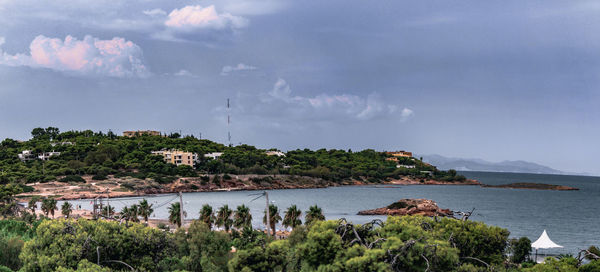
<point>570,217</point>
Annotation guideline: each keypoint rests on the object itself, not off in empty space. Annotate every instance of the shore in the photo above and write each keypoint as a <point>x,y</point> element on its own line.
<point>127,186</point>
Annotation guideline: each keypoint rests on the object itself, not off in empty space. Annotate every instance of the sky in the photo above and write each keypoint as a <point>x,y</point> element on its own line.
<point>495,80</point>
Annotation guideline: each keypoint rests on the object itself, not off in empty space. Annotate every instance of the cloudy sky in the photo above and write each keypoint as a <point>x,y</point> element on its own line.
<point>497,80</point>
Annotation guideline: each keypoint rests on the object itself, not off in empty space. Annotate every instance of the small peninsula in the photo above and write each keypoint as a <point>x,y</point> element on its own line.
<point>533,186</point>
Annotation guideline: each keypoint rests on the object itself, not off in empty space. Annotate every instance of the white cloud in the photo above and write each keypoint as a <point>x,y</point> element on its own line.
<point>240,67</point>
<point>90,56</point>
<point>184,72</point>
<point>190,18</point>
<point>406,113</point>
<point>329,106</point>
<point>155,12</point>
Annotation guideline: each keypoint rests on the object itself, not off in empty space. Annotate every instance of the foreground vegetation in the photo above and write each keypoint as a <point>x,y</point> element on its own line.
<point>101,154</point>
<point>399,244</point>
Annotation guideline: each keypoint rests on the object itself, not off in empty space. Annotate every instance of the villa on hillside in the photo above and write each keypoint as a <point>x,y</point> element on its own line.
<point>401,153</point>
<point>178,157</point>
<point>28,155</point>
<point>131,133</point>
<point>213,155</point>
<point>46,155</point>
<point>275,153</point>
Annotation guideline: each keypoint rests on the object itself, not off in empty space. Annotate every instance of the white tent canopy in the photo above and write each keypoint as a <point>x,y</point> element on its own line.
<point>544,242</point>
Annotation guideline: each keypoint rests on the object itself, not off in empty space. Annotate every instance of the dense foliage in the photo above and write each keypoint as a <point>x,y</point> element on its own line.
<point>410,243</point>
<point>101,154</point>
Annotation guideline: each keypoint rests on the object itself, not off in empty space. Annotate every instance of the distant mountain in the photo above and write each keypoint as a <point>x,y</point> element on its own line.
<point>460,164</point>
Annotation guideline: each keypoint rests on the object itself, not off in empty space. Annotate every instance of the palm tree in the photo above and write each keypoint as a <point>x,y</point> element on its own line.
<point>125,214</point>
<point>313,214</point>
<point>175,214</point>
<point>242,217</point>
<point>145,209</point>
<point>207,216</point>
<point>134,211</point>
<point>66,209</point>
<point>108,211</point>
<point>33,203</point>
<point>224,217</point>
<point>292,217</point>
<point>274,217</point>
<point>48,206</point>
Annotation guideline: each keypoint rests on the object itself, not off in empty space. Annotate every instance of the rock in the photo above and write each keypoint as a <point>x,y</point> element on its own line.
<point>407,206</point>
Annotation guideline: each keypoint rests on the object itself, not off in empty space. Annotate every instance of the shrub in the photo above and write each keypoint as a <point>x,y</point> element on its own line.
<point>10,249</point>
<point>27,189</point>
<point>74,178</point>
<point>99,177</point>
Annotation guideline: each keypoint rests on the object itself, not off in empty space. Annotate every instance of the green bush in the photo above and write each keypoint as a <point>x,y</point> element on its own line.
<point>99,177</point>
<point>10,248</point>
<point>72,178</point>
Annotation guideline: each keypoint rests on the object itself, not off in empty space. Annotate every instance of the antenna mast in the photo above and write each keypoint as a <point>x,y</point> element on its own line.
<point>228,123</point>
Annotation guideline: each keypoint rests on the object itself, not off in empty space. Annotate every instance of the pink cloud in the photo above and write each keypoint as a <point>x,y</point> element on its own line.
<point>195,17</point>
<point>90,56</point>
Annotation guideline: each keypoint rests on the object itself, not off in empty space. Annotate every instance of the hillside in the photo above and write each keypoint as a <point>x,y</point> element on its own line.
<point>103,155</point>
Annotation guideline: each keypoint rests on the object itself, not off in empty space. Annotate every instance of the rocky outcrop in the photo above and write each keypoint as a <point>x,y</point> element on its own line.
<point>407,206</point>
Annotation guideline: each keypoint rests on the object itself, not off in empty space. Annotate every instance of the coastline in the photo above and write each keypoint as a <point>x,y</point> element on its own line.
<point>131,187</point>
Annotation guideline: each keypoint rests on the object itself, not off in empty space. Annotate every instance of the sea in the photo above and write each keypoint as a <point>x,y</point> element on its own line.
<point>571,218</point>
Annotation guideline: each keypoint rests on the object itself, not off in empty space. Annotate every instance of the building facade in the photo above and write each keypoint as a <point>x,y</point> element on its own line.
<point>401,153</point>
<point>178,157</point>
<point>131,133</point>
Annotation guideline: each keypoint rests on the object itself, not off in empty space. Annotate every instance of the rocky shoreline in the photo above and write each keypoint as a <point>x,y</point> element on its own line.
<point>408,206</point>
<point>128,187</point>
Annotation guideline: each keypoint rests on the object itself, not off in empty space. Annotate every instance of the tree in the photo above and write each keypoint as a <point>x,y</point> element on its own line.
<point>8,205</point>
<point>274,217</point>
<point>520,249</point>
<point>224,218</point>
<point>48,206</point>
<point>108,211</point>
<point>38,132</point>
<point>207,216</point>
<point>145,209</point>
<point>66,243</point>
<point>125,214</point>
<point>208,250</point>
<point>313,214</point>
<point>134,211</point>
<point>175,214</point>
<point>32,204</point>
<point>66,209</point>
<point>242,217</point>
<point>292,217</point>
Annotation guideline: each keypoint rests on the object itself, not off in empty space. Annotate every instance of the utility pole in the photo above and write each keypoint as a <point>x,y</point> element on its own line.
<point>181,208</point>
<point>107,204</point>
<point>94,210</point>
<point>268,213</point>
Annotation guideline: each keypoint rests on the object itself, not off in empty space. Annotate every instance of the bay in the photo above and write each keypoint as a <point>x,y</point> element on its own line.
<point>571,218</point>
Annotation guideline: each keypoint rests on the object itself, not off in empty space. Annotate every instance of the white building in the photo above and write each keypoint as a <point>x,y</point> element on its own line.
<point>405,166</point>
<point>26,155</point>
<point>275,153</point>
<point>214,155</point>
<point>46,155</point>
